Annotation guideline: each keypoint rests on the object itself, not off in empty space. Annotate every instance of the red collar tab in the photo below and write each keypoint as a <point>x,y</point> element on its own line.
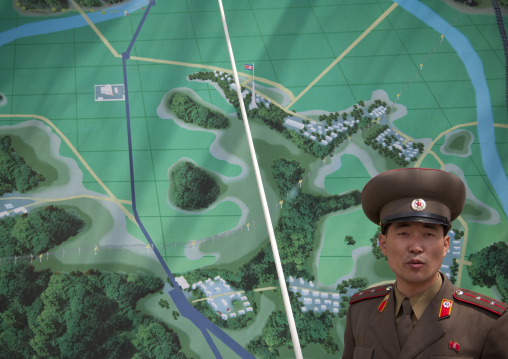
<point>446,308</point>
<point>383,303</point>
<point>371,293</point>
<point>490,304</point>
<point>455,346</point>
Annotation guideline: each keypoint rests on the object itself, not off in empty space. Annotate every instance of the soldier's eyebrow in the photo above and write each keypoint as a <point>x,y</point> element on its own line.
<point>431,226</point>
<point>400,224</point>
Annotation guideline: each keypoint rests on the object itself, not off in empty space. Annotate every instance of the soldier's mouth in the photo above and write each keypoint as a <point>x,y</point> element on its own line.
<point>415,263</point>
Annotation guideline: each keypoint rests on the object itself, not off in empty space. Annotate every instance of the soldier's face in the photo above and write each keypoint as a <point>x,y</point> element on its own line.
<point>415,253</point>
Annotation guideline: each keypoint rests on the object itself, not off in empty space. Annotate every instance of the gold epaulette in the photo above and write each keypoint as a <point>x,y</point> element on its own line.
<point>480,300</point>
<point>374,292</point>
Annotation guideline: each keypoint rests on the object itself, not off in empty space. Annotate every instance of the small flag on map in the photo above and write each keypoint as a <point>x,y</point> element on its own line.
<point>249,67</point>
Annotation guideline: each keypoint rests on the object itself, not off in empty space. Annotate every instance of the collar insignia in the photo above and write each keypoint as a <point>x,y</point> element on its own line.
<point>446,308</point>
<point>383,303</point>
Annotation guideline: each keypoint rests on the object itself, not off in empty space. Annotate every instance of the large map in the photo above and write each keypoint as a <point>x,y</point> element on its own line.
<point>131,221</point>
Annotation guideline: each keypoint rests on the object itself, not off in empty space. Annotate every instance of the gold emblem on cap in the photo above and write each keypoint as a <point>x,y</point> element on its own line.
<point>418,205</point>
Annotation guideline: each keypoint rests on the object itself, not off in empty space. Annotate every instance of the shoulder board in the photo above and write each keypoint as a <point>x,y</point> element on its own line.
<point>373,292</point>
<point>480,300</point>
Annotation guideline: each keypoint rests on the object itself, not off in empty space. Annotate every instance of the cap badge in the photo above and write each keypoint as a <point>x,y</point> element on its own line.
<point>418,205</point>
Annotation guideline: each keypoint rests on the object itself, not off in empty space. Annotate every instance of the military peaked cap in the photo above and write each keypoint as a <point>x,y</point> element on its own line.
<point>413,195</point>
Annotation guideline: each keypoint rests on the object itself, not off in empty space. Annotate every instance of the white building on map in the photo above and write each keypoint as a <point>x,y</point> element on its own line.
<point>110,92</point>
<point>107,90</point>
<point>406,151</point>
<point>315,300</point>
<point>224,297</point>
<point>294,124</point>
<point>182,282</point>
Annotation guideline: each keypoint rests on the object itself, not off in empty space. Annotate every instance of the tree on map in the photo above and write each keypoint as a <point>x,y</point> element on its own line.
<point>299,216</point>
<point>79,315</point>
<point>191,111</point>
<point>358,283</point>
<point>272,116</point>
<point>45,228</point>
<point>342,287</point>
<point>330,345</point>
<point>163,303</point>
<point>15,174</point>
<point>458,234</point>
<point>90,3</point>
<point>365,122</point>
<point>276,332</point>
<point>158,340</point>
<point>38,231</point>
<point>20,285</point>
<point>349,240</point>
<point>20,288</point>
<point>376,251</point>
<point>191,187</point>
<point>44,4</point>
<point>490,267</point>
<point>57,4</point>
<point>94,315</point>
<point>287,173</point>
<point>454,269</point>
<point>312,327</point>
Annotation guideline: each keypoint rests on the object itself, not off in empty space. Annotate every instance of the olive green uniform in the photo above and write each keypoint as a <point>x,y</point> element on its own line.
<point>456,324</point>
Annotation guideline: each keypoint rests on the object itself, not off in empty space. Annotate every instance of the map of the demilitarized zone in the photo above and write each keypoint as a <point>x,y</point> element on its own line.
<point>132,220</point>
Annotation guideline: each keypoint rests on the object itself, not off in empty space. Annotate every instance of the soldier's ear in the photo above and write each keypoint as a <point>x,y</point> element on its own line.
<point>382,243</point>
<point>446,245</point>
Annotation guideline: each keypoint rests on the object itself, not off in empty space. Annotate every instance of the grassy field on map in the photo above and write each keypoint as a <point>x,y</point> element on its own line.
<point>311,58</point>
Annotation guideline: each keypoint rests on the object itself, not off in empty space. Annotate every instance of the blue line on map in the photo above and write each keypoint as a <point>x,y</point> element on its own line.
<point>183,305</point>
<point>129,49</point>
<point>490,157</point>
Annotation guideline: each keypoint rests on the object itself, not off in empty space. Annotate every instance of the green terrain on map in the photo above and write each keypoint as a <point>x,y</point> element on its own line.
<point>343,91</point>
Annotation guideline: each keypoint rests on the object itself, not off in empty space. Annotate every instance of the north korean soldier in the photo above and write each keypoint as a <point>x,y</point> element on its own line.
<point>422,314</point>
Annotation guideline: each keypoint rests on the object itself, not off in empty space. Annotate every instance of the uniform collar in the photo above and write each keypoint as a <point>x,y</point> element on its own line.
<point>419,302</point>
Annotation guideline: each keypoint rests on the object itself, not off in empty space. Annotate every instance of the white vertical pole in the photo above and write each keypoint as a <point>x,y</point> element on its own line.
<point>271,234</point>
<point>253,89</point>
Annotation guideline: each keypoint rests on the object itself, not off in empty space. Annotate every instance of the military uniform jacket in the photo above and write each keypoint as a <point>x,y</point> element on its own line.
<point>456,324</point>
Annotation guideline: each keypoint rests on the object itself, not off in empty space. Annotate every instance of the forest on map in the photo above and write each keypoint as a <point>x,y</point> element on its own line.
<point>190,111</point>
<point>191,187</point>
<point>58,5</point>
<point>110,216</point>
<point>15,174</point>
<point>46,313</point>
